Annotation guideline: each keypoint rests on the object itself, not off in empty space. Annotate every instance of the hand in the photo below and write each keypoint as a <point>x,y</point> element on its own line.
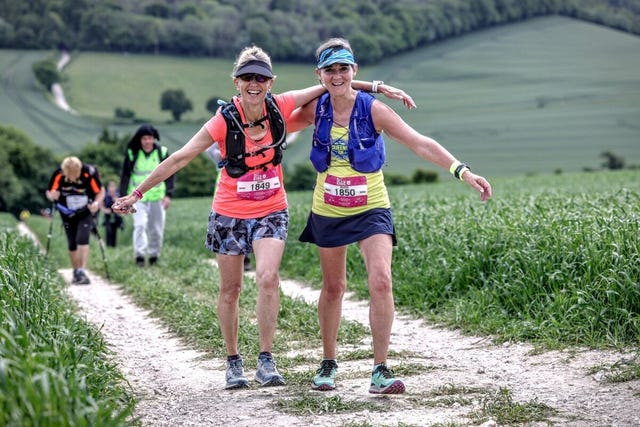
<point>53,195</point>
<point>479,183</point>
<point>124,205</point>
<point>394,93</point>
<point>93,207</point>
<point>166,202</point>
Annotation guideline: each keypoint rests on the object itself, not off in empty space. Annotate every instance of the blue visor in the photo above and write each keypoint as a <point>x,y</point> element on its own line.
<point>335,55</point>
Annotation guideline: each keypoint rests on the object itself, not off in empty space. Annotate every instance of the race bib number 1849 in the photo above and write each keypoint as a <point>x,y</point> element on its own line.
<point>258,185</point>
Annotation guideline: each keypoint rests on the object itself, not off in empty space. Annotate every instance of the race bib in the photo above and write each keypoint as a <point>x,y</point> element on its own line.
<point>258,185</point>
<point>347,192</point>
<point>77,202</point>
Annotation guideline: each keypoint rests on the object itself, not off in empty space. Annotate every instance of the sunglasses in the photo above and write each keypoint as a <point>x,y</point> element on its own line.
<point>257,77</point>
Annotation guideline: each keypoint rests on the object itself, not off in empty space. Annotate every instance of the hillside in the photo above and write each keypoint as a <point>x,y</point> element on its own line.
<point>534,97</point>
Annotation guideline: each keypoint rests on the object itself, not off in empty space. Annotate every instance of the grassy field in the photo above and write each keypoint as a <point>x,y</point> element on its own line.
<point>550,260</point>
<point>534,263</point>
<point>534,97</point>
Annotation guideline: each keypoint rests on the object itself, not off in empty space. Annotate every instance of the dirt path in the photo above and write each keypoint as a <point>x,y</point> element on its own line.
<point>178,386</point>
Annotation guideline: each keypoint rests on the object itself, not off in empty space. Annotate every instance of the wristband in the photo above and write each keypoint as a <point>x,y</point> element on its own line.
<point>137,193</point>
<point>460,170</point>
<point>454,166</point>
<point>375,84</point>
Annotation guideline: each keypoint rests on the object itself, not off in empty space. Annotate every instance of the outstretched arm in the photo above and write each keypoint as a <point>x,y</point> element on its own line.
<point>429,149</point>
<point>172,164</point>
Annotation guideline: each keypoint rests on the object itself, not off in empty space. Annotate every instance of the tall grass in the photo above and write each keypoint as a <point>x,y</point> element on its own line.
<point>55,370</point>
<point>549,259</point>
<point>543,261</point>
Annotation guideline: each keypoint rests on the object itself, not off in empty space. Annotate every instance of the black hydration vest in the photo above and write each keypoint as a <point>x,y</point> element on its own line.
<point>235,163</point>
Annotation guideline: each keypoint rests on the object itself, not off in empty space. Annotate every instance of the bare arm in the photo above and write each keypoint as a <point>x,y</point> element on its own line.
<point>172,164</point>
<point>427,148</point>
<point>302,117</point>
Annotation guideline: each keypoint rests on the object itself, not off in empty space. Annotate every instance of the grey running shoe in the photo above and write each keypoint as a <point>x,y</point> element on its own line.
<point>267,374</point>
<point>81,278</point>
<point>325,377</point>
<point>74,277</point>
<point>235,375</point>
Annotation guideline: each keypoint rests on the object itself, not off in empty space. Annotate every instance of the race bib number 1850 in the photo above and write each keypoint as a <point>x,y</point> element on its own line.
<point>346,192</point>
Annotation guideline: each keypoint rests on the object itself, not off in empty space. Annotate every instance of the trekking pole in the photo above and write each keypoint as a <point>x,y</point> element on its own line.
<point>53,217</point>
<point>101,244</point>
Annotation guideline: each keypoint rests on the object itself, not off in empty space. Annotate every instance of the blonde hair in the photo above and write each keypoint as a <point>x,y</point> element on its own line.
<point>71,166</point>
<point>250,53</point>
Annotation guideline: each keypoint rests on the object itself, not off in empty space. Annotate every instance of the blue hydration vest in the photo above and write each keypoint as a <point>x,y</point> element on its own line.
<point>365,148</point>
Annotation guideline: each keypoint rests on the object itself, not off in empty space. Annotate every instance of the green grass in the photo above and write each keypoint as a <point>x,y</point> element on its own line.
<point>551,260</point>
<point>534,97</point>
<point>55,369</point>
<point>548,259</point>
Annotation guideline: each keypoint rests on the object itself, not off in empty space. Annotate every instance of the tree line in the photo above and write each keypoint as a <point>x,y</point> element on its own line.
<point>288,29</point>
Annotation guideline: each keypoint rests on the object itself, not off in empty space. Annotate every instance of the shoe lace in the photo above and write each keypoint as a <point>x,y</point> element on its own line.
<point>384,371</point>
<point>326,367</point>
<point>236,367</point>
<point>267,364</point>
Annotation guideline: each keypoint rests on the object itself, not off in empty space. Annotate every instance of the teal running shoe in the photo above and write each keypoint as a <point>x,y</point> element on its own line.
<point>383,381</point>
<point>325,377</point>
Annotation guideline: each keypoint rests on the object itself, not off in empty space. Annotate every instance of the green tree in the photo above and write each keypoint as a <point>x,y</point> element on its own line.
<point>303,177</point>
<point>197,179</point>
<point>176,101</point>
<point>107,154</point>
<point>46,73</point>
<point>212,104</point>
<point>25,169</point>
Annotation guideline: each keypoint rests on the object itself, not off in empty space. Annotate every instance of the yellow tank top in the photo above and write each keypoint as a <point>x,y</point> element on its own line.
<point>341,191</point>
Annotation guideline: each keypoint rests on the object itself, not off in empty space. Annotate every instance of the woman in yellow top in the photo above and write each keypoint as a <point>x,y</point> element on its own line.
<point>351,204</point>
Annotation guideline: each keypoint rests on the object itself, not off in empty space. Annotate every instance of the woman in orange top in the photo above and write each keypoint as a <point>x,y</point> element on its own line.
<point>249,211</point>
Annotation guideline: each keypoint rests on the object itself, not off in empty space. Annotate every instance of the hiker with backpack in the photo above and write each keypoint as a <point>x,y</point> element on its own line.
<point>144,154</point>
<point>249,211</point>
<point>351,202</point>
<point>77,193</point>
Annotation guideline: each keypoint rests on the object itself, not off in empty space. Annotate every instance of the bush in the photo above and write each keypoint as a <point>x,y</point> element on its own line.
<point>423,175</point>
<point>46,73</point>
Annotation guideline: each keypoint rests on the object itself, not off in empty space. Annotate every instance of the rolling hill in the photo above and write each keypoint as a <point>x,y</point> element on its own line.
<point>548,94</point>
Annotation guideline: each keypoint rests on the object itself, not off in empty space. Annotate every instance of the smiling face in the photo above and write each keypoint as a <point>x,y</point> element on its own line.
<point>253,89</point>
<point>336,78</point>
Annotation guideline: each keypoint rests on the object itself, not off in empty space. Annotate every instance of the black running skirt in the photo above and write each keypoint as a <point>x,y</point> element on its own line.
<point>328,232</point>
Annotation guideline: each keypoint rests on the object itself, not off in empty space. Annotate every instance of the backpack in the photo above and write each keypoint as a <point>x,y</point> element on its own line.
<point>235,163</point>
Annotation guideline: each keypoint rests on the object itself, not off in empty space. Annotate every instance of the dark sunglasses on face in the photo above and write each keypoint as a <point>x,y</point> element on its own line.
<point>257,77</point>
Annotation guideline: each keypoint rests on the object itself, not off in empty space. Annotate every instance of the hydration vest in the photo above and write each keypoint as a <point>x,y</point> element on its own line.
<point>365,147</point>
<point>235,163</point>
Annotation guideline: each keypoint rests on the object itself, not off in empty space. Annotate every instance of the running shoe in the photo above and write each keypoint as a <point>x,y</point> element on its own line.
<point>81,277</point>
<point>383,381</point>
<point>325,377</point>
<point>267,374</point>
<point>235,374</point>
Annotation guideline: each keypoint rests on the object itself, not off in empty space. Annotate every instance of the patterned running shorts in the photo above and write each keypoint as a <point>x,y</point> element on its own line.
<point>235,236</point>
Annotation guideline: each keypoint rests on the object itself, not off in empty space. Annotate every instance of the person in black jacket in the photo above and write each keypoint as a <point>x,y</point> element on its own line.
<point>78,193</point>
<point>143,154</point>
<point>112,221</point>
